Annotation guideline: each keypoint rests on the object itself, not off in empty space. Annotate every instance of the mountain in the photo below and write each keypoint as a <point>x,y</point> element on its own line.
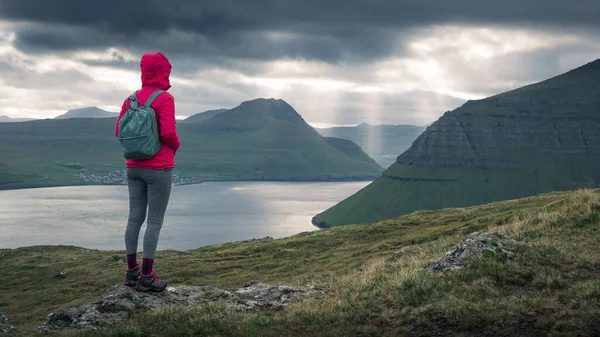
<point>203,115</point>
<point>6,119</point>
<point>263,139</point>
<point>267,138</point>
<point>539,138</point>
<point>381,142</point>
<point>89,112</point>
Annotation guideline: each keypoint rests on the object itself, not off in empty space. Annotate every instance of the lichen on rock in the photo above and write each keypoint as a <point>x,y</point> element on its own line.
<point>122,302</point>
<point>5,326</point>
<point>493,244</point>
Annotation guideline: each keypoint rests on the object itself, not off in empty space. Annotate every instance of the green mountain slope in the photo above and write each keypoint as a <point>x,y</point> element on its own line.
<point>258,140</point>
<point>349,148</point>
<point>203,115</point>
<point>539,138</point>
<point>268,139</point>
<point>381,142</point>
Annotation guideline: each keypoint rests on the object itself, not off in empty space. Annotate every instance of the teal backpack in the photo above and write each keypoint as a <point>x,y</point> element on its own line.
<point>138,131</point>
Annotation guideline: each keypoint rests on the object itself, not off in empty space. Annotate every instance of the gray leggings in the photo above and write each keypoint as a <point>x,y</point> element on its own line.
<point>149,189</point>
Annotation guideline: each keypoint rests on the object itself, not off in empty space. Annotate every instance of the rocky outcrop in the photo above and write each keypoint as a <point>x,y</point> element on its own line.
<point>493,244</point>
<point>5,326</point>
<point>121,302</point>
<point>482,135</point>
<point>431,149</point>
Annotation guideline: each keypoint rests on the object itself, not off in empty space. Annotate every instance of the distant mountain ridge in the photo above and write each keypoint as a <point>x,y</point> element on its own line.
<point>88,112</point>
<point>203,115</point>
<point>256,114</point>
<point>6,119</point>
<point>381,142</point>
<point>262,139</point>
<point>539,138</point>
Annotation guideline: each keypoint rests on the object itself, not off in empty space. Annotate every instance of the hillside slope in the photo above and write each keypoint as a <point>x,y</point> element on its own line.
<point>539,138</point>
<point>381,142</point>
<point>203,115</point>
<point>268,139</point>
<point>372,273</point>
<point>258,140</point>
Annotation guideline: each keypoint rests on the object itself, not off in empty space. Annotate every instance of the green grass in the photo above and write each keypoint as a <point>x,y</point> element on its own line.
<point>552,287</point>
<point>531,140</point>
<point>434,189</point>
<point>259,140</point>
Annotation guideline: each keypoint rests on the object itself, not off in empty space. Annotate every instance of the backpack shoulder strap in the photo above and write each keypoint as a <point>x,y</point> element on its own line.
<point>134,101</point>
<point>153,97</point>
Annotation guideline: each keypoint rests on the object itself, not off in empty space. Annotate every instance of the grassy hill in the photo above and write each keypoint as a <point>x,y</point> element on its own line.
<point>381,142</point>
<point>539,138</point>
<point>258,140</point>
<point>550,288</point>
<point>203,115</point>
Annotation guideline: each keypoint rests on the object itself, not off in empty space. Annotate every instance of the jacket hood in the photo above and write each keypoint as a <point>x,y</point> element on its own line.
<point>155,69</point>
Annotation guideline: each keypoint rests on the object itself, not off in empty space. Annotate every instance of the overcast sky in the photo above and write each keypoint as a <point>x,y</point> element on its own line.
<point>337,62</point>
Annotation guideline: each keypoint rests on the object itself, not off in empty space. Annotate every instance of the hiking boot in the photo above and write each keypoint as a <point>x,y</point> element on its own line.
<point>132,276</point>
<point>151,283</point>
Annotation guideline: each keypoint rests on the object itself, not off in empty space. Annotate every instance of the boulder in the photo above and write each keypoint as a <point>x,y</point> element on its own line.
<point>496,244</point>
<point>120,302</point>
<point>5,326</point>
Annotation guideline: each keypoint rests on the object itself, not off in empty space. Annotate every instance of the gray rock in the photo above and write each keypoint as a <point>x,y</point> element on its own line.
<point>121,302</point>
<point>256,295</point>
<point>83,317</point>
<point>497,244</point>
<point>5,326</point>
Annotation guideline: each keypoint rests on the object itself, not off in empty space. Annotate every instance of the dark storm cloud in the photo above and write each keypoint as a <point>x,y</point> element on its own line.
<point>250,45</point>
<point>330,30</point>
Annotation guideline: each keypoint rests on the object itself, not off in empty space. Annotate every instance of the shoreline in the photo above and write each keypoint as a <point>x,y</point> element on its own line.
<point>283,184</point>
<point>27,185</point>
<point>87,250</point>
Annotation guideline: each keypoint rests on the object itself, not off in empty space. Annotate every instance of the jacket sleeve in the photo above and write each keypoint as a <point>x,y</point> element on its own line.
<point>168,124</point>
<point>119,118</point>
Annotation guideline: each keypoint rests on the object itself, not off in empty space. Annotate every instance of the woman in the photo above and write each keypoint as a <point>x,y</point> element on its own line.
<point>149,180</point>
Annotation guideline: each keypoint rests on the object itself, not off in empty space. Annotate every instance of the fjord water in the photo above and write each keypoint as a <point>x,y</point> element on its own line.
<point>210,213</point>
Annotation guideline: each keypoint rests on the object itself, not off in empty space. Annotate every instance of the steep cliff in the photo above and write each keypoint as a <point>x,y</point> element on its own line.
<point>539,138</point>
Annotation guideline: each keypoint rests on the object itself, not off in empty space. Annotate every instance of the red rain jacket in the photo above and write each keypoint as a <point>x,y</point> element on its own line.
<point>156,69</point>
